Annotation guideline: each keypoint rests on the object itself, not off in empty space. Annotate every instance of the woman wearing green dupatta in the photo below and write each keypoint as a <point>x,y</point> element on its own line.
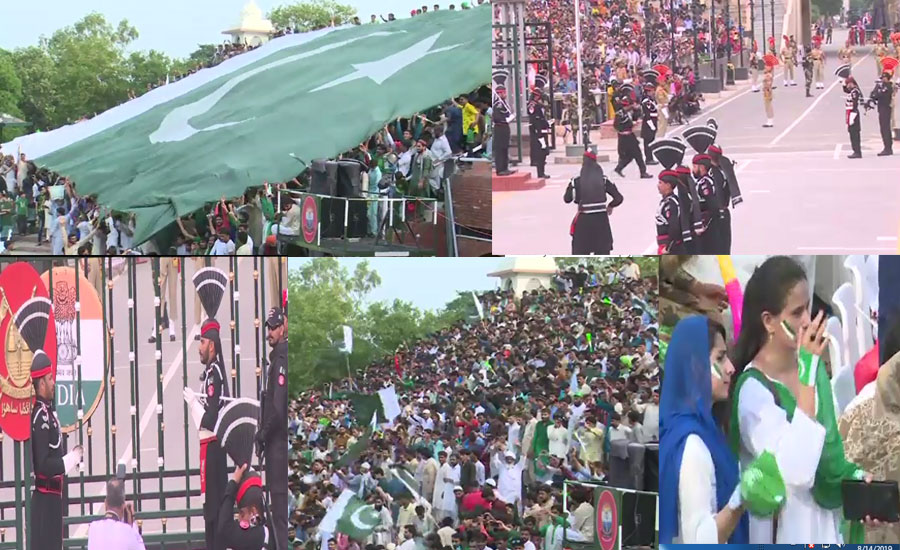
<point>783,404</point>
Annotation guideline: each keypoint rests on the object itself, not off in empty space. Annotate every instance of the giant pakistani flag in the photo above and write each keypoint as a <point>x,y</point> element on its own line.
<point>235,125</point>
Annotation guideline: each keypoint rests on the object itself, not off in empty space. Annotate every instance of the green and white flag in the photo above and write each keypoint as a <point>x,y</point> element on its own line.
<point>351,516</point>
<point>233,126</point>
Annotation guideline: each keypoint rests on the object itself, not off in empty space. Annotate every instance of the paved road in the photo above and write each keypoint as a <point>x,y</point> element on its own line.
<point>173,364</point>
<point>802,195</point>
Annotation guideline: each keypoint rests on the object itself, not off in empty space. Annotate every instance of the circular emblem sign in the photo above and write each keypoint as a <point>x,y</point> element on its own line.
<point>19,283</point>
<point>91,345</point>
<point>607,520</point>
<point>310,219</point>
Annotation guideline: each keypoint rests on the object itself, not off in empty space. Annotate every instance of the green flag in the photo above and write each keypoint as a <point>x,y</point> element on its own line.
<point>233,126</point>
<point>356,450</point>
<point>364,406</point>
<point>351,516</point>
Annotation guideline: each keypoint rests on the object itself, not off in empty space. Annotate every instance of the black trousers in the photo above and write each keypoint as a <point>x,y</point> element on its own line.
<point>630,150</point>
<point>46,527</point>
<point>884,123</point>
<point>501,147</point>
<point>216,479</point>
<point>647,135</point>
<point>725,222</point>
<point>854,137</point>
<point>277,485</point>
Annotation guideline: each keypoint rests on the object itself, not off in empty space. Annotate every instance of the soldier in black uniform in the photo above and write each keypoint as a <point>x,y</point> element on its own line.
<point>709,206</point>
<point>628,144</point>
<point>272,434</point>
<point>539,134</point>
<point>689,208</point>
<point>882,96</point>
<point>501,118</point>
<point>210,283</point>
<point>722,172</point>
<point>50,464</point>
<point>591,233</point>
<point>249,531</point>
<point>650,119</point>
<point>669,238</point>
<point>852,101</point>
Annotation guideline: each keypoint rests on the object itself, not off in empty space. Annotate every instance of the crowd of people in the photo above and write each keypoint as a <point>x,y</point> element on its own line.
<point>495,414</point>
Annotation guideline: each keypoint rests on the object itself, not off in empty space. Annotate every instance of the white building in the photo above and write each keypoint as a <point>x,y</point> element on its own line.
<point>526,273</point>
<point>253,29</point>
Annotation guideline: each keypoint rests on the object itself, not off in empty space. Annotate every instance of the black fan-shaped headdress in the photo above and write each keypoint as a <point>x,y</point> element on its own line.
<point>32,320</point>
<point>236,428</point>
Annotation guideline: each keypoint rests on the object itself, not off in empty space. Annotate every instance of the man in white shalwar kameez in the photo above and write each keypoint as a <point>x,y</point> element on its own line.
<point>449,476</point>
<point>509,477</point>
<point>559,439</point>
<point>437,496</point>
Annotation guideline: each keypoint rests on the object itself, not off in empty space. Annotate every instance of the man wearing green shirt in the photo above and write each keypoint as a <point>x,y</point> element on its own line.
<point>22,212</point>
<point>6,213</point>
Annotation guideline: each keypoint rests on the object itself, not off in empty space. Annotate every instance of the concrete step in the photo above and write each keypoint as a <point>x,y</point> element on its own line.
<point>518,181</point>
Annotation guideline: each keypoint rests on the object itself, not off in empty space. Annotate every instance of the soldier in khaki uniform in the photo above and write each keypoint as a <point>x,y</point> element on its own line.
<point>880,51</point>
<point>787,57</point>
<point>845,54</point>
<point>818,57</point>
<point>662,100</point>
<point>768,79</point>
<point>168,281</point>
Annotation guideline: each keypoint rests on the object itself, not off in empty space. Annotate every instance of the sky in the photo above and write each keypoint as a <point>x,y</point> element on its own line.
<point>428,283</point>
<point>174,27</point>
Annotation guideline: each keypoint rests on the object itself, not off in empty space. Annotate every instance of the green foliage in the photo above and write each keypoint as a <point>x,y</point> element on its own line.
<point>10,85</point>
<point>325,295</point>
<point>147,68</point>
<point>311,15</point>
<point>828,7</point>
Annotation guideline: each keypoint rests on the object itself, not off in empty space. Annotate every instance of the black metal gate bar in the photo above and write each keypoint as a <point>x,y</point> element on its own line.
<point>156,274</point>
<point>132,383</point>
<point>77,365</point>
<point>184,381</point>
<point>231,325</point>
<point>111,402</point>
<point>256,324</point>
<point>236,318</point>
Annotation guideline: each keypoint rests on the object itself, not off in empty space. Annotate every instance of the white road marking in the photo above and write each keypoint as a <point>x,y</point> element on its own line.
<point>811,107</point>
<point>886,239</point>
<point>837,151</point>
<point>759,191</point>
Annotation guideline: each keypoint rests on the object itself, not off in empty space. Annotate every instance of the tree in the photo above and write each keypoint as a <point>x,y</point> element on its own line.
<point>147,68</point>
<point>35,69</point>
<point>10,85</point>
<point>827,7</point>
<point>311,15</point>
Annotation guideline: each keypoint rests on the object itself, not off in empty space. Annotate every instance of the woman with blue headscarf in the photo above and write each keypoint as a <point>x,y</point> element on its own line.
<point>700,498</point>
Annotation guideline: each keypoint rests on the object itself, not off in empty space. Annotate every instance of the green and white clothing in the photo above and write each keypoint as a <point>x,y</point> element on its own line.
<point>808,451</point>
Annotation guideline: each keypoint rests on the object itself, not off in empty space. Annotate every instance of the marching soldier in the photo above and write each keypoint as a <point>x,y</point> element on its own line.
<point>249,532</point>
<point>272,434</point>
<point>787,57</point>
<point>628,145</point>
<point>590,230</point>
<point>880,51</point>
<point>709,206</point>
<point>662,103</point>
<point>210,283</point>
<point>882,96</point>
<point>756,66</point>
<point>818,57</point>
<point>722,172</point>
<point>845,54</point>
<point>808,69</point>
<point>852,101</point>
<point>668,216</point>
<point>168,280</point>
<point>49,462</point>
<point>501,118</point>
<point>539,130</point>
<point>650,119</point>
<point>769,77</point>
<point>689,208</point>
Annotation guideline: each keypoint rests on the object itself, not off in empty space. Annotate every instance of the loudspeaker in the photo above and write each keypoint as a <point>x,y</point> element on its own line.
<point>349,180</point>
<point>332,217</point>
<point>638,519</point>
<point>651,468</point>
<point>324,178</point>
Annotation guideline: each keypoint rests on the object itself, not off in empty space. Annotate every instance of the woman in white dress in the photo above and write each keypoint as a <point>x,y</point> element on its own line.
<point>783,403</point>
<point>699,478</point>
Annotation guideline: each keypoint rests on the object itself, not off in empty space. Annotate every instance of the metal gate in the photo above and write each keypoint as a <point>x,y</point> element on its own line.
<point>117,384</point>
<point>539,39</point>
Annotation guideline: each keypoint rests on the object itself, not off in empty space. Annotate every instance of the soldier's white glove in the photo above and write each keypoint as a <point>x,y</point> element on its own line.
<point>510,118</point>
<point>72,458</point>
<point>852,118</point>
<point>651,125</point>
<point>195,407</point>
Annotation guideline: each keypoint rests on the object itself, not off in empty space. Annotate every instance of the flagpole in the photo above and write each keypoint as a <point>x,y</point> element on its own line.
<point>578,63</point>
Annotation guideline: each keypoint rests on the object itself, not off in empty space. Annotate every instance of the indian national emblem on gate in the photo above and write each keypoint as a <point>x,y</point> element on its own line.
<point>15,383</point>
